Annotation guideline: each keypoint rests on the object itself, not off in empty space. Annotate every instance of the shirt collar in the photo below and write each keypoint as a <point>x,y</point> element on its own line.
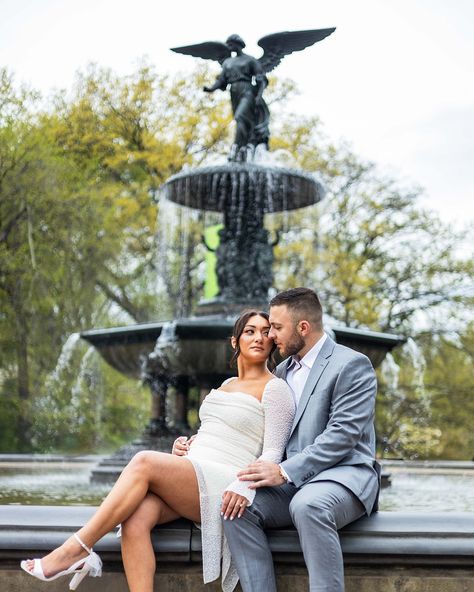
<point>309,358</point>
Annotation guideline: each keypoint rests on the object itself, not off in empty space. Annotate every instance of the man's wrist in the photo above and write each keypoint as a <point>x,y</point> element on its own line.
<point>283,474</point>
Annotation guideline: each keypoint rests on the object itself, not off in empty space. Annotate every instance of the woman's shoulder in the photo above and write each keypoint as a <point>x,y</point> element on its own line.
<point>227,380</point>
<point>277,388</point>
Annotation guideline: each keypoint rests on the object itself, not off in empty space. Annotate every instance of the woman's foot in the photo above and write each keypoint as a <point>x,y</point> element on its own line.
<point>60,559</point>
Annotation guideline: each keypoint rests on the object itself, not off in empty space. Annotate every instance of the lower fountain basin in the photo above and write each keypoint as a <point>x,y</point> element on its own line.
<point>199,347</point>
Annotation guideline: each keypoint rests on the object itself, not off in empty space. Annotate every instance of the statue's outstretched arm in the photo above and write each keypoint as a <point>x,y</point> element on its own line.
<point>219,84</point>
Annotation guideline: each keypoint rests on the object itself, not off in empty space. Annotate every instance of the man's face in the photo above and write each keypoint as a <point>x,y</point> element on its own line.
<point>284,332</point>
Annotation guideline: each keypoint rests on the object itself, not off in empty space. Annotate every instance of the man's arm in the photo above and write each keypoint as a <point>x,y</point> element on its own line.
<point>352,408</point>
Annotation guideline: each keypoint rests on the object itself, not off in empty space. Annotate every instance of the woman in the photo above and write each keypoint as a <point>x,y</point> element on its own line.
<point>247,416</point>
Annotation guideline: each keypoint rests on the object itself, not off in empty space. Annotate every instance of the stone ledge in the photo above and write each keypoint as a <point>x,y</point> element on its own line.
<point>188,578</point>
<point>396,538</point>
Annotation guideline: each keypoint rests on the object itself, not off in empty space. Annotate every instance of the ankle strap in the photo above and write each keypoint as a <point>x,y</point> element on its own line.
<point>84,546</point>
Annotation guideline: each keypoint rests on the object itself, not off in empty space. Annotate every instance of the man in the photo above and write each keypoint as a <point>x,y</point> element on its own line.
<point>329,476</point>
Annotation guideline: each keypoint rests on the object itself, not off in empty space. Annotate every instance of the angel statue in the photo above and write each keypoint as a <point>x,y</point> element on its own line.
<point>246,76</point>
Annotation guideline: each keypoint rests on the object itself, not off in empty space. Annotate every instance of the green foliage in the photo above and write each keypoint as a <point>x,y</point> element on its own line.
<point>375,257</point>
<point>450,379</point>
<point>88,407</point>
<point>78,220</point>
<point>425,410</point>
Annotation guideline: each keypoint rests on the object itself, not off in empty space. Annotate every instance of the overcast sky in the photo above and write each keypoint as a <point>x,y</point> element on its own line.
<point>396,78</point>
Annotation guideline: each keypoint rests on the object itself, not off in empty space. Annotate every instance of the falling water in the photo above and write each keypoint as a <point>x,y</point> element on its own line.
<point>418,362</point>
<point>390,372</point>
<point>63,362</point>
<point>174,231</point>
<point>88,390</point>
<point>84,369</point>
<point>165,223</point>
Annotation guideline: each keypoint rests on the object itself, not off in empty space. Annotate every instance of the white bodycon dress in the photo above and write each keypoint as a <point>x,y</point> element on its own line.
<point>236,429</point>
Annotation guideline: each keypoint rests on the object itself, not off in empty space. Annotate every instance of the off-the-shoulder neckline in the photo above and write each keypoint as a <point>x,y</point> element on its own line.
<point>259,401</point>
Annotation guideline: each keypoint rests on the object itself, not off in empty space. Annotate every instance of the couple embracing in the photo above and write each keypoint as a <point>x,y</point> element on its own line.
<point>292,448</point>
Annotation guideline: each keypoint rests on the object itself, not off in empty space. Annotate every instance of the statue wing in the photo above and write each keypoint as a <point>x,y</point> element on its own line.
<point>277,45</point>
<point>209,50</point>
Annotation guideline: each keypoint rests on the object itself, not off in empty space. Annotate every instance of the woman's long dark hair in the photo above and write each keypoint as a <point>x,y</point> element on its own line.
<point>238,329</point>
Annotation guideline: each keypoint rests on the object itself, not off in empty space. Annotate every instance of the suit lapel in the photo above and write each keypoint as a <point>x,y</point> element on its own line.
<point>319,365</point>
<point>282,368</point>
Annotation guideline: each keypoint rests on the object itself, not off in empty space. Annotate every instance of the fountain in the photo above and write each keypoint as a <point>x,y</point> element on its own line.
<point>388,550</point>
<point>195,351</point>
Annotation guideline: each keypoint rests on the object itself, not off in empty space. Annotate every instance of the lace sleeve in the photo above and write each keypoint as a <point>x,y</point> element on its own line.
<point>279,409</point>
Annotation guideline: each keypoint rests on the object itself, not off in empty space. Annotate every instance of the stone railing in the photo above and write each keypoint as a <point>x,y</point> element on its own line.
<point>388,552</point>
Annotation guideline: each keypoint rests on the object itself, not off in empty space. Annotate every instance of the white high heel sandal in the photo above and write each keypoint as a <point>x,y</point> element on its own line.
<point>90,565</point>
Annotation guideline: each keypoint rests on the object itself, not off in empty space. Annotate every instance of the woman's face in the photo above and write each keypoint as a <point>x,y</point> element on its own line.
<point>254,343</point>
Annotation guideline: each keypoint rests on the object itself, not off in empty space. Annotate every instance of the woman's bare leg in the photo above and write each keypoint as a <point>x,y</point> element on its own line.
<point>170,477</point>
<point>137,549</point>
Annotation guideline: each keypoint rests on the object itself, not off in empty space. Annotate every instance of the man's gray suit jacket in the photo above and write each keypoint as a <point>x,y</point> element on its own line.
<point>333,436</point>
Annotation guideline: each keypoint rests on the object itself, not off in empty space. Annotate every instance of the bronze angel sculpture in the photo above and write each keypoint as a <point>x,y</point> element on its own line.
<point>246,76</point>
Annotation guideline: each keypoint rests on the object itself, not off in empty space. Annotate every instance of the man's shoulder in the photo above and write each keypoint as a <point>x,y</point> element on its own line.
<point>336,353</point>
<point>347,352</point>
<point>345,356</point>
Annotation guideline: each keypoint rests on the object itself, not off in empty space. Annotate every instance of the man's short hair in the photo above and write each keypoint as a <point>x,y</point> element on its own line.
<point>303,304</point>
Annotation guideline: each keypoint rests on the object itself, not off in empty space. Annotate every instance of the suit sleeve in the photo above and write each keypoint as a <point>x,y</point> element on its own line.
<point>352,408</point>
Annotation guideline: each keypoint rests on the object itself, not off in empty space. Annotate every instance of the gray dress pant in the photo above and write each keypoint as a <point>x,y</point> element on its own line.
<point>317,510</point>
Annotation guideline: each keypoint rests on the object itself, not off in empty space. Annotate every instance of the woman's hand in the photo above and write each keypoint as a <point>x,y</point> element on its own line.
<point>233,504</point>
<point>181,445</point>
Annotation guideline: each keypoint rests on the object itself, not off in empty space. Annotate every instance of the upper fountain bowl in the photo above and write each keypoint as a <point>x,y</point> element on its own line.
<point>276,189</point>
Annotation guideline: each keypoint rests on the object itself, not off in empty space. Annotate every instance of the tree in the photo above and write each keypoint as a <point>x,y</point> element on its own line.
<point>450,381</point>
<point>45,254</point>
<point>78,183</point>
<point>133,133</point>
<point>377,259</point>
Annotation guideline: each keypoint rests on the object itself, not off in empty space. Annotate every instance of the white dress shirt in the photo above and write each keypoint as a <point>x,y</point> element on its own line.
<point>297,375</point>
<point>299,369</point>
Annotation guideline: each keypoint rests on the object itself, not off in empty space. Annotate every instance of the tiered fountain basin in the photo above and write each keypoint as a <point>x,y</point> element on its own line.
<point>270,188</point>
<point>199,347</point>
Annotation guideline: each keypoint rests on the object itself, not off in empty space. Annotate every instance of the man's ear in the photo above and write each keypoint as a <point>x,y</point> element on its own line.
<point>304,327</point>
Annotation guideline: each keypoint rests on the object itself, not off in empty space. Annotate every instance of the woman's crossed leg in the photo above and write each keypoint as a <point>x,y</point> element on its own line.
<point>137,549</point>
<point>172,481</point>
